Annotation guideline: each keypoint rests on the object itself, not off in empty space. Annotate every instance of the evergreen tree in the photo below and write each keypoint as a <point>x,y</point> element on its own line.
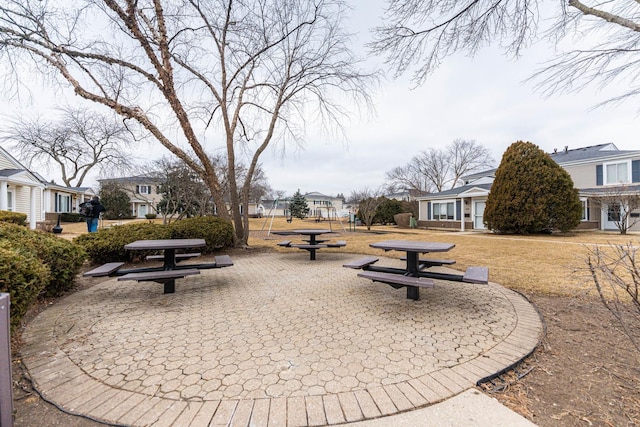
<point>116,201</point>
<point>531,194</point>
<point>298,205</point>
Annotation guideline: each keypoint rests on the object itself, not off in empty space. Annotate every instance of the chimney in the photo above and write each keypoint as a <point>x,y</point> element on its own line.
<point>566,148</point>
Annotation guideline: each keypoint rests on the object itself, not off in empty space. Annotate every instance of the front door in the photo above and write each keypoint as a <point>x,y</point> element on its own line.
<point>612,216</point>
<point>142,211</point>
<point>478,216</point>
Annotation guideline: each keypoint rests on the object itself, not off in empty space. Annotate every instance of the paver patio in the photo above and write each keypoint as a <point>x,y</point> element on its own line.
<point>276,340</point>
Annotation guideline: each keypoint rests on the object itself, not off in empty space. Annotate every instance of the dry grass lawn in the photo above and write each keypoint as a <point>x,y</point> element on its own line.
<point>547,265</point>
<point>550,265</point>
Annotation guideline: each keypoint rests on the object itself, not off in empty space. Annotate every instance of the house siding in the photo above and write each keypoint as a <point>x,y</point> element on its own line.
<point>585,176</point>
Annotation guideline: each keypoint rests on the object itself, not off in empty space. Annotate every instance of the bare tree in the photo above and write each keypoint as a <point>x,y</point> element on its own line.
<point>77,143</point>
<point>368,201</point>
<point>183,191</point>
<point>421,34</point>
<point>435,170</point>
<point>621,202</point>
<point>248,72</point>
<point>615,272</point>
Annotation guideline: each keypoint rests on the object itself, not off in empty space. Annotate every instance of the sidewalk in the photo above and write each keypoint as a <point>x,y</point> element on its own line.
<point>280,340</point>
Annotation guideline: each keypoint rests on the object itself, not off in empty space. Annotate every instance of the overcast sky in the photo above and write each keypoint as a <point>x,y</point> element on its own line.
<point>482,98</point>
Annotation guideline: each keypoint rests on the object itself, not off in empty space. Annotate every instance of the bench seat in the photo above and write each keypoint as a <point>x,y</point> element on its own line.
<point>223,261</point>
<point>362,262</point>
<point>476,275</point>
<point>179,257</point>
<point>308,247</point>
<point>430,262</point>
<point>161,276</point>
<point>104,269</point>
<point>338,244</point>
<point>285,243</point>
<point>397,279</point>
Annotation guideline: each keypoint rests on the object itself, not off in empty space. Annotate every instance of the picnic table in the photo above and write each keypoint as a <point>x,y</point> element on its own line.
<point>416,273</point>
<point>169,271</point>
<point>312,243</point>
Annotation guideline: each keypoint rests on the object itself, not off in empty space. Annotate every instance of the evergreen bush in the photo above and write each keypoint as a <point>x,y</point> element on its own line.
<point>71,217</point>
<point>107,245</point>
<point>217,232</point>
<point>23,276</point>
<point>62,257</point>
<point>13,217</point>
<point>531,194</point>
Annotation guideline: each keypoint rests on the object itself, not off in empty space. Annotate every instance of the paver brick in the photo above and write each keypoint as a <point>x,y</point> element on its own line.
<point>257,346</point>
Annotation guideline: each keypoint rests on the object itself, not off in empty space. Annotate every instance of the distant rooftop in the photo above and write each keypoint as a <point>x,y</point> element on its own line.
<point>567,155</point>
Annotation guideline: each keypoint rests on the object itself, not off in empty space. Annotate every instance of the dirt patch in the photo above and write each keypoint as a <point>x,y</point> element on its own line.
<point>586,373</point>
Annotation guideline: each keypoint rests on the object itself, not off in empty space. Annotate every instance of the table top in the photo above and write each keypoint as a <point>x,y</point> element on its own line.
<point>413,246</point>
<point>307,231</point>
<point>165,244</point>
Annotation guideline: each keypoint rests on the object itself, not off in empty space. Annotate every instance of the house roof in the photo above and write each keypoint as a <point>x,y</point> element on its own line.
<point>594,152</point>
<point>604,191</point>
<point>138,179</point>
<point>454,192</point>
<point>10,172</point>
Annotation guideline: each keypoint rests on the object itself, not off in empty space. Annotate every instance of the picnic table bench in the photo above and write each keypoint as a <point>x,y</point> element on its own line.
<point>312,244</point>
<point>169,271</point>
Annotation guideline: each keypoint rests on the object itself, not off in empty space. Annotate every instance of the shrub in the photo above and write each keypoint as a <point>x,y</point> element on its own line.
<point>151,216</point>
<point>23,277</point>
<point>531,194</point>
<point>71,217</point>
<point>107,245</point>
<point>62,257</point>
<point>217,232</point>
<point>13,218</point>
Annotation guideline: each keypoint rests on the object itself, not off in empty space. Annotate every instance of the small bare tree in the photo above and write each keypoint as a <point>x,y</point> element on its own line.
<point>615,272</point>
<point>622,204</point>
<point>368,202</point>
<point>77,143</point>
<point>435,170</point>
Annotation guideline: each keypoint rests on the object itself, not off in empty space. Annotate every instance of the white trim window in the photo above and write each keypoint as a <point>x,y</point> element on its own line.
<point>143,189</point>
<point>617,173</point>
<point>443,211</point>
<point>585,209</point>
<point>10,200</point>
<point>63,203</point>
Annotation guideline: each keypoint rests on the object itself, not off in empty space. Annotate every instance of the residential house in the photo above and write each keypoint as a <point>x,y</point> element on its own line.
<point>595,170</point>
<point>22,190</point>
<point>143,190</point>
<point>320,206</point>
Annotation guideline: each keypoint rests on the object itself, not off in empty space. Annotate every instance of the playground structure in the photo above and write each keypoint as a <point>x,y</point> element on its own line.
<point>331,214</point>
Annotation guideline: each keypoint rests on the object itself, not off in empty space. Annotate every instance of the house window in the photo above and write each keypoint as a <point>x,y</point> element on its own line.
<point>443,211</point>
<point>143,189</point>
<point>617,173</point>
<point>10,201</point>
<point>585,210</point>
<point>63,203</point>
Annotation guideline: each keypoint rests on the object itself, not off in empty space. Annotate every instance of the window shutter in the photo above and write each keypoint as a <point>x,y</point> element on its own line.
<point>599,179</point>
<point>429,211</point>
<point>458,209</point>
<point>635,171</point>
<point>137,189</point>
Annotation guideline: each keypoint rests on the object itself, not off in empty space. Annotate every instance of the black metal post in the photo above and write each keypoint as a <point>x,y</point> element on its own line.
<point>6,396</point>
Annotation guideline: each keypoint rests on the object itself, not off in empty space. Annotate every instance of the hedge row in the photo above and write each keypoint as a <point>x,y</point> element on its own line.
<point>13,217</point>
<point>35,264</point>
<point>107,245</point>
